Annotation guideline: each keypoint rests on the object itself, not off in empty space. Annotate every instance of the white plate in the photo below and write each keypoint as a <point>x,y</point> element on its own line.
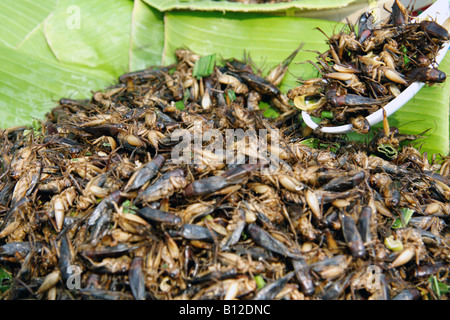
<point>439,12</point>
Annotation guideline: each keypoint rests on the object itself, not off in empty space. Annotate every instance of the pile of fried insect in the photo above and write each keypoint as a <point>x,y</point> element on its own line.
<point>115,197</point>
<point>365,69</point>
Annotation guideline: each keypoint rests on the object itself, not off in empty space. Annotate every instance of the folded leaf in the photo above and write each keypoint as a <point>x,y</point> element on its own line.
<point>19,19</point>
<point>67,49</point>
<point>214,5</point>
<point>147,37</point>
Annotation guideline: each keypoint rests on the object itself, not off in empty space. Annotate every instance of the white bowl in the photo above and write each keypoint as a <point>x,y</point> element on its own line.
<point>439,11</point>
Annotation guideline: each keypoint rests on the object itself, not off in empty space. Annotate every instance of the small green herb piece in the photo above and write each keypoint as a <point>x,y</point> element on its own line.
<point>315,143</point>
<point>5,277</point>
<point>438,287</point>
<point>37,125</point>
<point>406,59</point>
<point>327,114</point>
<point>204,66</point>
<point>260,281</point>
<point>311,142</point>
<point>231,95</point>
<point>271,113</point>
<point>407,214</point>
<point>180,105</point>
<point>126,203</point>
<point>268,112</point>
<point>128,207</point>
<point>316,119</point>
<point>334,147</point>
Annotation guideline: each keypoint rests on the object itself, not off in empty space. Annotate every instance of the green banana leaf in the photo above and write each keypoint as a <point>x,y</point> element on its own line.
<point>66,48</point>
<point>19,19</point>
<point>70,48</point>
<point>428,110</point>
